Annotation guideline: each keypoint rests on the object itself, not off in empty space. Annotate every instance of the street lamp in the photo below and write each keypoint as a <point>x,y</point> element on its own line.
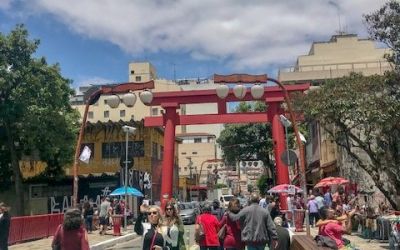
<point>286,123</point>
<point>128,130</point>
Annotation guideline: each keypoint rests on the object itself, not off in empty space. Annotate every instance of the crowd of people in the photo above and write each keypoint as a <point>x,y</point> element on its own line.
<point>215,228</point>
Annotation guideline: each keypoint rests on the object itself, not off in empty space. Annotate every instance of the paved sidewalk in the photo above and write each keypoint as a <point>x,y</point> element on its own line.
<point>94,238</point>
<point>357,241</point>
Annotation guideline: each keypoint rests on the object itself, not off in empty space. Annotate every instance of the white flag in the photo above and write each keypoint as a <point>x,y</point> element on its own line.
<point>85,155</point>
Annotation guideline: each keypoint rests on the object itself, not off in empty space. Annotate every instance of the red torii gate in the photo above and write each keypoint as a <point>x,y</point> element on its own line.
<point>171,101</point>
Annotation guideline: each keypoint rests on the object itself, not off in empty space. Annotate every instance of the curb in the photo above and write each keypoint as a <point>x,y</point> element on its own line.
<point>111,242</point>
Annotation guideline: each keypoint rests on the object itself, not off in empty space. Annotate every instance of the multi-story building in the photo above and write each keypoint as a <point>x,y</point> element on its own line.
<point>335,58</point>
<point>141,72</point>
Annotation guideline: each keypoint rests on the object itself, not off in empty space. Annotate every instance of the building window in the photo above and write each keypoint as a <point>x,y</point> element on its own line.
<point>154,111</point>
<point>138,78</point>
<point>111,150</point>
<point>90,115</point>
<point>122,113</point>
<point>185,168</point>
<point>106,114</point>
<point>132,72</point>
<point>105,101</point>
<point>161,152</point>
<point>154,150</point>
<point>197,140</point>
<point>194,153</point>
<point>183,153</point>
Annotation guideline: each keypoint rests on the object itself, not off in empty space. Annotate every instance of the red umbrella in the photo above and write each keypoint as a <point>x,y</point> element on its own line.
<point>284,188</point>
<point>330,181</point>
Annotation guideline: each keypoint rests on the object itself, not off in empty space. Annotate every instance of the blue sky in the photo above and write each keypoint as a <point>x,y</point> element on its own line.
<point>94,40</point>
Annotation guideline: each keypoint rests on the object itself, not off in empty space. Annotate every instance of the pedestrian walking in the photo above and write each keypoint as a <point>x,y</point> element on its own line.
<point>232,239</point>
<point>71,235</point>
<point>105,207</point>
<point>328,198</point>
<point>275,208</point>
<point>263,202</point>
<point>284,235</point>
<point>88,216</point>
<point>5,220</point>
<point>319,199</point>
<point>312,206</point>
<point>256,224</point>
<point>209,224</point>
<point>217,210</point>
<point>172,228</point>
<point>150,231</point>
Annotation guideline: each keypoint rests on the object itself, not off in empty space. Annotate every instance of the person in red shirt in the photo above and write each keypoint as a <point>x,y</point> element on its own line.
<point>71,235</point>
<point>233,239</point>
<point>332,228</point>
<point>210,226</point>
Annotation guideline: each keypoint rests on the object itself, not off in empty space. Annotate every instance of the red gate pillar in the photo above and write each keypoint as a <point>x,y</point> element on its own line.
<point>282,171</point>
<point>167,172</point>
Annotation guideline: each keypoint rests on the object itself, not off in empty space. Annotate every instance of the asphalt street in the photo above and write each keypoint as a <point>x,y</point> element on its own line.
<point>137,242</point>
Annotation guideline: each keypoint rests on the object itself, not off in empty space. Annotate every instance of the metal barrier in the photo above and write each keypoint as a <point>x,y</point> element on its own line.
<point>33,227</point>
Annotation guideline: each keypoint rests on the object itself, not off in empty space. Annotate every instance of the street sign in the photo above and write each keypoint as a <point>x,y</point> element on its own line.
<point>291,189</point>
<point>289,157</point>
<point>131,161</point>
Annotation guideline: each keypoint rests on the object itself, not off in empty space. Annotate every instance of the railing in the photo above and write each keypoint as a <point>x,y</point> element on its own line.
<point>33,227</point>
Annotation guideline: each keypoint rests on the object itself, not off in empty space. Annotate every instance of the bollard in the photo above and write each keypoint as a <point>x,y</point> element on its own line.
<point>117,219</point>
<point>187,239</point>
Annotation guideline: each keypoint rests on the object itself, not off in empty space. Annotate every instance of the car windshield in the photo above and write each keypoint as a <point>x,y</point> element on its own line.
<point>228,198</point>
<point>184,206</point>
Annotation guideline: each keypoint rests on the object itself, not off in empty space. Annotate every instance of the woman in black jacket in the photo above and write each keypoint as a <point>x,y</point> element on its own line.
<point>4,226</point>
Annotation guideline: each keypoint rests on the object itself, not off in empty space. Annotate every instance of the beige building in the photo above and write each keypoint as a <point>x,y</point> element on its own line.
<point>335,58</point>
<point>140,72</point>
<point>338,57</point>
<point>100,111</point>
<point>195,153</point>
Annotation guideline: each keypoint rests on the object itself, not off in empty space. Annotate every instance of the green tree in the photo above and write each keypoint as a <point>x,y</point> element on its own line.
<point>247,141</point>
<point>384,26</point>
<point>262,184</point>
<point>362,114</point>
<point>36,121</point>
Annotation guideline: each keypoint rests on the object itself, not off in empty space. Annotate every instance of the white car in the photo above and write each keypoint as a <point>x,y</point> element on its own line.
<point>225,200</point>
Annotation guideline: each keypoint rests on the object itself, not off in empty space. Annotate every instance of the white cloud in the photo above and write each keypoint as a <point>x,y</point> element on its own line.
<point>248,33</point>
<point>5,4</point>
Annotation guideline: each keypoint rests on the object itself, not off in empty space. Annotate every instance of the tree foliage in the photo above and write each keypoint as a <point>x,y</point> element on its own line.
<point>262,184</point>
<point>36,121</point>
<point>252,141</point>
<point>384,26</point>
<point>365,114</point>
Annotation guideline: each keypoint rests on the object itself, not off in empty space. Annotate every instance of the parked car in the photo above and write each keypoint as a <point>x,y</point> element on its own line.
<point>187,212</point>
<point>224,200</point>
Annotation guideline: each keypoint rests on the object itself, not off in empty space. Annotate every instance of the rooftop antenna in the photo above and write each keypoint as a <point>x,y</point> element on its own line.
<point>174,65</point>
<point>340,31</point>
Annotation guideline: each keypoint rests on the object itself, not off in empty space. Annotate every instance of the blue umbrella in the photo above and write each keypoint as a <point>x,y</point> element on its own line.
<point>129,191</point>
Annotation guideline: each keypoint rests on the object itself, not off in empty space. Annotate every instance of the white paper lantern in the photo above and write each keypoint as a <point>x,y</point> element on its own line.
<point>146,97</point>
<point>113,101</point>
<point>222,91</point>
<point>257,91</point>
<point>239,91</point>
<point>129,99</point>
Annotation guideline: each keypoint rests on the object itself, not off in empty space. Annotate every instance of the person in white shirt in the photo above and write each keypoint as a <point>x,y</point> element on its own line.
<point>263,202</point>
